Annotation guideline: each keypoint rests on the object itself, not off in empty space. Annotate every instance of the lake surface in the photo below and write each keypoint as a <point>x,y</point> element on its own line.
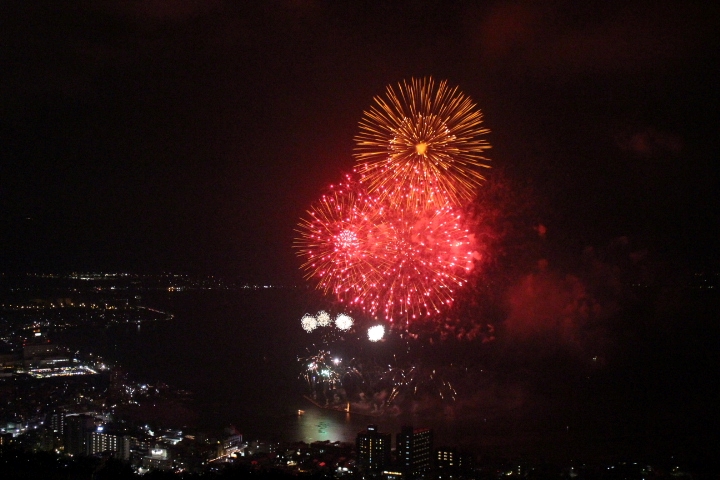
<point>237,351</point>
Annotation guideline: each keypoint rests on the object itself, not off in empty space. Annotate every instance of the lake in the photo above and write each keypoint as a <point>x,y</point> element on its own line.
<point>237,351</point>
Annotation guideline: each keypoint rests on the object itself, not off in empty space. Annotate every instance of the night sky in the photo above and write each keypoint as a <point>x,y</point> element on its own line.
<point>150,137</point>
<point>190,137</point>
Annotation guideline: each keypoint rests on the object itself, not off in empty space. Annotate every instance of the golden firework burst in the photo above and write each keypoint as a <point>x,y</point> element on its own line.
<point>422,143</point>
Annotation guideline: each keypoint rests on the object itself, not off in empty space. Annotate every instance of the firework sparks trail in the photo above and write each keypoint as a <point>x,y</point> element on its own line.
<point>320,369</point>
<point>338,241</point>
<point>426,256</point>
<point>376,386</point>
<point>365,378</point>
<point>420,139</point>
<point>414,381</point>
<point>408,264</point>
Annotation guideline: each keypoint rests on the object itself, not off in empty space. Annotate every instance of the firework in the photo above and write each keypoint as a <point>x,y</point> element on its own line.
<point>338,241</point>
<point>393,243</point>
<point>410,265</point>
<point>364,379</point>
<point>376,333</point>
<point>344,322</point>
<point>320,369</point>
<point>323,319</point>
<point>416,381</point>
<point>426,256</point>
<point>422,143</point>
<point>308,323</point>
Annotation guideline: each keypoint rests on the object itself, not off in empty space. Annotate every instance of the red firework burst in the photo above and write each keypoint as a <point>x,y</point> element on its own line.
<point>338,241</point>
<point>393,243</point>
<point>426,256</point>
<point>392,263</point>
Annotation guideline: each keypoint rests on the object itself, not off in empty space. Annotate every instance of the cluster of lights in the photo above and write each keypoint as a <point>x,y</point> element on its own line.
<point>323,370</point>
<point>323,319</point>
<point>61,371</point>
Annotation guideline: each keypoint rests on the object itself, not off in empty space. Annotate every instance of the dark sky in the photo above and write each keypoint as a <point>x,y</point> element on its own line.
<point>151,136</point>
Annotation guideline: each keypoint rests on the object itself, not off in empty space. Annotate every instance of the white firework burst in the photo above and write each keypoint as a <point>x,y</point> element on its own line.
<point>309,323</point>
<point>344,322</point>
<point>376,333</point>
<point>323,319</point>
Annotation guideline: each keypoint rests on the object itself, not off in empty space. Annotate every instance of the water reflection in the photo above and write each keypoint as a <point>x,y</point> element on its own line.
<point>317,424</point>
<point>243,371</point>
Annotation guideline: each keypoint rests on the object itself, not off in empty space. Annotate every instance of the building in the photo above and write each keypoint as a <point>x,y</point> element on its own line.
<point>233,444</point>
<point>56,421</point>
<point>451,463</point>
<point>159,459</point>
<point>392,475</point>
<point>414,452</point>
<point>78,427</point>
<point>39,352</point>
<point>9,360</point>
<point>6,439</point>
<point>373,452</point>
<point>99,442</point>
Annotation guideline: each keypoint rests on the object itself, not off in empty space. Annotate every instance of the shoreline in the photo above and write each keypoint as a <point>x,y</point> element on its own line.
<point>337,408</point>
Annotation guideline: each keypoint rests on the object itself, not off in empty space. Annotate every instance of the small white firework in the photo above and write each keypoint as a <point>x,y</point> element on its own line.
<point>376,333</point>
<point>344,322</point>
<point>323,319</point>
<point>309,323</point>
